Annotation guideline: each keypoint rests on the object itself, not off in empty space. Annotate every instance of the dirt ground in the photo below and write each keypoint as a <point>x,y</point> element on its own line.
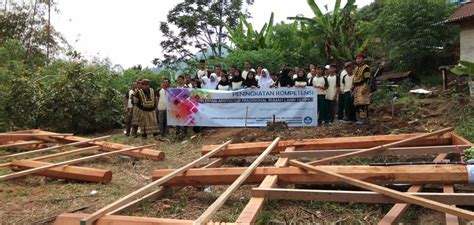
<point>37,200</point>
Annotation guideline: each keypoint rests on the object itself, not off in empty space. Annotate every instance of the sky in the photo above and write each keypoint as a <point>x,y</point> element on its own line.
<point>127,32</point>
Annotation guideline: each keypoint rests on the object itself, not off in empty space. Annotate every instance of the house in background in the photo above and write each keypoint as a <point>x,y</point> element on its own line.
<point>464,17</point>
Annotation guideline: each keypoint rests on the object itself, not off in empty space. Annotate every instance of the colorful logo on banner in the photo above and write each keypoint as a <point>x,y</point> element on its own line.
<point>185,103</point>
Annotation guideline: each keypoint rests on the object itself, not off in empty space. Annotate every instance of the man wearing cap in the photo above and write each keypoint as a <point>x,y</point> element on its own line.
<point>147,104</point>
<point>361,90</point>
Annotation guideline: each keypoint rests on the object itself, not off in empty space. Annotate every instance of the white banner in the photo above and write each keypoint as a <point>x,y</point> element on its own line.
<point>249,107</point>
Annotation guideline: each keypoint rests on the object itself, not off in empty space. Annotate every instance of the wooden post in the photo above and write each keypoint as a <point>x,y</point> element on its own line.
<point>256,204</point>
<point>69,162</point>
<point>378,148</point>
<point>33,134</point>
<point>207,215</point>
<point>466,214</point>
<point>89,220</point>
<point>53,147</point>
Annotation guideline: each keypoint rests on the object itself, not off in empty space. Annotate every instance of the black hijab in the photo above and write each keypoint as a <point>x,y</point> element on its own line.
<point>249,82</point>
<point>226,82</point>
<point>236,79</point>
<point>284,80</point>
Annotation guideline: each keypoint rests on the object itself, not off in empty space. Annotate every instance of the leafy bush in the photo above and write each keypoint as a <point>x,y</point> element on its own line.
<point>269,58</point>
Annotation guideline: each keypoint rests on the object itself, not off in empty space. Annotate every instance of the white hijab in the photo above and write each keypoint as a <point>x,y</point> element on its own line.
<point>205,82</point>
<point>213,84</point>
<point>265,80</point>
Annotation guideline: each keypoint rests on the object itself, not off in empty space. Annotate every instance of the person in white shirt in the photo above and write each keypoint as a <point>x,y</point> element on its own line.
<point>218,72</point>
<point>129,107</point>
<point>321,84</point>
<point>162,106</point>
<point>346,110</point>
<point>246,70</point>
<point>310,76</point>
<point>181,131</point>
<point>259,72</point>
<point>265,80</point>
<point>297,69</point>
<point>333,90</point>
<point>202,69</point>
<point>224,84</point>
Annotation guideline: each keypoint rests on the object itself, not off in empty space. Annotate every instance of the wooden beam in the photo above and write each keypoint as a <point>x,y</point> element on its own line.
<point>20,143</point>
<point>424,150</point>
<point>356,196</point>
<point>34,134</point>
<point>408,174</point>
<point>379,148</point>
<point>459,140</point>
<point>109,146</point>
<point>65,172</point>
<point>362,142</point>
<point>207,215</point>
<point>75,218</point>
<point>60,154</point>
<point>255,205</point>
<point>69,162</point>
<point>466,214</point>
<point>52,148</point>
<point>451,219</point>
<point>147,188</point>
<point>397,210</point>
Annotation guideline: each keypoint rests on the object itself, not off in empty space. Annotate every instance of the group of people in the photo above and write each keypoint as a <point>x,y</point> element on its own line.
<point>345,94</point>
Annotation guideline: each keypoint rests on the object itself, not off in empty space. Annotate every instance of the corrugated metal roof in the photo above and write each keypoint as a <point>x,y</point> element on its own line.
<point>465,12</point>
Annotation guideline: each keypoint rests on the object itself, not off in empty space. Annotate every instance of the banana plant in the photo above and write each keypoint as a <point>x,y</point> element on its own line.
<point>244,37</point>
<point>336,29</point>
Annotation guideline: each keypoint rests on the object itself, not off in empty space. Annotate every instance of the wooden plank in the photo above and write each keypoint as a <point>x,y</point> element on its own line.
<point>52,148</point>
<point>466,214</point>
<point>357,196</point>
<point>451,219</point>
<point>424,150</point>
<point>148,188</point>
<point>20,143</point>
<point>68,162</point>
<point>459,140</point>
<point>378,148</point>
<point>407,174</point>
<point>66,172</point>
<point>60,154</point>
<point>34,134</point>
<point>397,210</point>
<point>256,148</point>
<point>207,215</point>
<point>255,205</point>
<point>75,218</point>
<point>109,146</point>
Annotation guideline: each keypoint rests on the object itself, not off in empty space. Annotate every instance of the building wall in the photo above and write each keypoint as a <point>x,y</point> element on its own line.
<point>467,40</point>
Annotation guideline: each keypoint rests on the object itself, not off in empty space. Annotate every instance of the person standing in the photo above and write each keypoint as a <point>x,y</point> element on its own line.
<point>136,112</point>
<point>224,84</point>
<point>265,81</point>
<point>162,106</point>
<point>246,70</point>
<point>129,109</point>
<point>321,84</point>
<point>301,81</point>
<point>285,79</point>
<point>202,69</point>
<point>218,72</point>
<point>259,72</point>
<point>250,81</point>
<point>181,130</point>
<point>346,105</point>
<point>188,81</point>
<point>236,81</point>
<point>147,104</point>
<point>361,90</point>
<point>332,91</point>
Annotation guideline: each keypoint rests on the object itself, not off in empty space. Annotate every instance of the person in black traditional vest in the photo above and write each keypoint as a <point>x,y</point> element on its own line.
<point>361,90</point>
<point>147,103</point>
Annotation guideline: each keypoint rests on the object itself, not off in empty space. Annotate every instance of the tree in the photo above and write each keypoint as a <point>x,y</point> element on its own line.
<point>411,37</point>
<point>249,39</point>
<point>198,24</point>
<point>337,29</point>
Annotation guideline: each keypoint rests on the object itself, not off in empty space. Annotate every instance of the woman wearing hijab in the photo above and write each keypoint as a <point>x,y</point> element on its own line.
<point>285,79</point>
<point>265,80</point>
<point>237,81</point>
<point>213,81</point>
<point>300,80</point>
<point>250,81</point>
<point>224,84</point>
